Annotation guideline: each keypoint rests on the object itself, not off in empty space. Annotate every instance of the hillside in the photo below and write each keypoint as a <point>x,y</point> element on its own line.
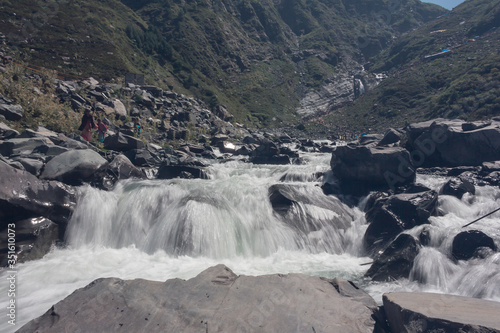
<point>264,60</point>
<point>462,83</point>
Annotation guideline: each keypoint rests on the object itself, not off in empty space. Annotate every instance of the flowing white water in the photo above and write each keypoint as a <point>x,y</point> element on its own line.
<point>159,230</point>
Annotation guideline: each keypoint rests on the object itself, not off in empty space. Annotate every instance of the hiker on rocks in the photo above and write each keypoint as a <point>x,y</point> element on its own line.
<point>87,125</point>
<point>137,127</point>
<point>102,129</point>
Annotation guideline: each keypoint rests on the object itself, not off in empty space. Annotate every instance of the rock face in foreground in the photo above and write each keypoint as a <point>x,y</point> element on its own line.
<point>216,300</point>
<point>426,312</point>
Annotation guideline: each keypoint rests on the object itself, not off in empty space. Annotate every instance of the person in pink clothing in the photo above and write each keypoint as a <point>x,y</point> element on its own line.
<point>87,125</point>
<point>102,129</point>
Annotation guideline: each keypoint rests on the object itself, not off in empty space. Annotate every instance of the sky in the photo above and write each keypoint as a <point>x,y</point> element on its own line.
<point>448,4</point>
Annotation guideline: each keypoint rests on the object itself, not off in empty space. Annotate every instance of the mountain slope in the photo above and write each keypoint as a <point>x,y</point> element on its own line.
<point>464,82</point>
<point>263,59</point>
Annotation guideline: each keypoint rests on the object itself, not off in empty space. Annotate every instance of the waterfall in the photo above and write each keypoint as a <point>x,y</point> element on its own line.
<point>226,216</point>
<point>163,229</point>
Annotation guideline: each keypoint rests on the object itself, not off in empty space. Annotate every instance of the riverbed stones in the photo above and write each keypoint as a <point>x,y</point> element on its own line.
<point>418,312</point>
<point>389,216</point>
<point>217,300</point>
<point>22,195</point>
<point>451,143</point>
<point>396,261</point>
<point>467,243</point>
<point>457,187</point>
<point>361,169</point>
<point>73,167</point>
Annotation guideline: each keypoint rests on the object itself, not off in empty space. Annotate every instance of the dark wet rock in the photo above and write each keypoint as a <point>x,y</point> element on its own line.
<point>217,300</point>
<point>6,132</point>
<point>428,312</point>
<point>73,167</point>
<point>22,196</point>
<point>362,169</point>
<point>11,112</point>
<point>288,202</point>
<point>34,239</point>
<point>390,216</point>
<point>390,137</point>
<point>122,142</point>
<point>444,143</point>
<point>466,243</point>
<point>118,169</point>
<point>493,178</point>
<point>453,172</point>
<point>179,168</point>
<point>396,261</point>
<point>457,188</point>
<point>425,236</point>
<point>475,125</point>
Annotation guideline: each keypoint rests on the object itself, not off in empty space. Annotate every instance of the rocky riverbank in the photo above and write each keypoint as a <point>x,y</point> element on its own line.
<point>41,171</point>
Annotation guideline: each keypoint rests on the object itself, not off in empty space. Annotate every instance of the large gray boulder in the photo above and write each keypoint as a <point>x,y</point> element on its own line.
<point>450,143</point>
<point>217,300</point>
<point>361,169</point>
<point>73,167</point>
<point>427,312</point>
<point>23,195</point>
<point>22,146</point>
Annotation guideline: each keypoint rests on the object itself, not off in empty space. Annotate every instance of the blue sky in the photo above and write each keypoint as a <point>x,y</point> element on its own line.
<point>448,4</point>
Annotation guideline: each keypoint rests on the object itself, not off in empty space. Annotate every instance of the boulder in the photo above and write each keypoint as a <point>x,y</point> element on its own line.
<point>32,165</point>
<point>34,239</point>
<point>457,188</point>
<point>122,142</point>
<point>445,143</point>
<point>22,146</point>
<point>119,109</point>
<point>119,168</point>
<point>362,169</point>
<point>428,312</point>
<point>6,132</point>
<point>11,112</point>
<point>290,202</point>
<point>467,243</point>
<point>396,261</point>
<point>141,157</point>
<point>390,137</point>
<point>181,171</point>
<point>390,216</point>
<point>73,167</point>
<point>22,195</point>
<point>217,300</point>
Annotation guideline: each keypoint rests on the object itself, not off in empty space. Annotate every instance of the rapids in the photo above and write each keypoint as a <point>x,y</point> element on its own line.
<point>159,230</point>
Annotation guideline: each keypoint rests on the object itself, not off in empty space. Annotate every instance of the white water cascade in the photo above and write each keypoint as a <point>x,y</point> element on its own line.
<point>159,230</point>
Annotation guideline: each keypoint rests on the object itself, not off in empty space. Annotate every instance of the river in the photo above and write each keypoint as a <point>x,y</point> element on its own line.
<point>163,229</point>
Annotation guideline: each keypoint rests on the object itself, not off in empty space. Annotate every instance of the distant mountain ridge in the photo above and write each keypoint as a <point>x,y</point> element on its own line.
<point>264,60</point>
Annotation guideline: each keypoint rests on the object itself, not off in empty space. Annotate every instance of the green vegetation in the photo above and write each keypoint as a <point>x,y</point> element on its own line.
<point>256,57</point>
<point>464,84</point>
<point>36,96</point>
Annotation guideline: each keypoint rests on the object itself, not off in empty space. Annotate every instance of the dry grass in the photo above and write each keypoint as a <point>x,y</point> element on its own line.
<point>36,94</point>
